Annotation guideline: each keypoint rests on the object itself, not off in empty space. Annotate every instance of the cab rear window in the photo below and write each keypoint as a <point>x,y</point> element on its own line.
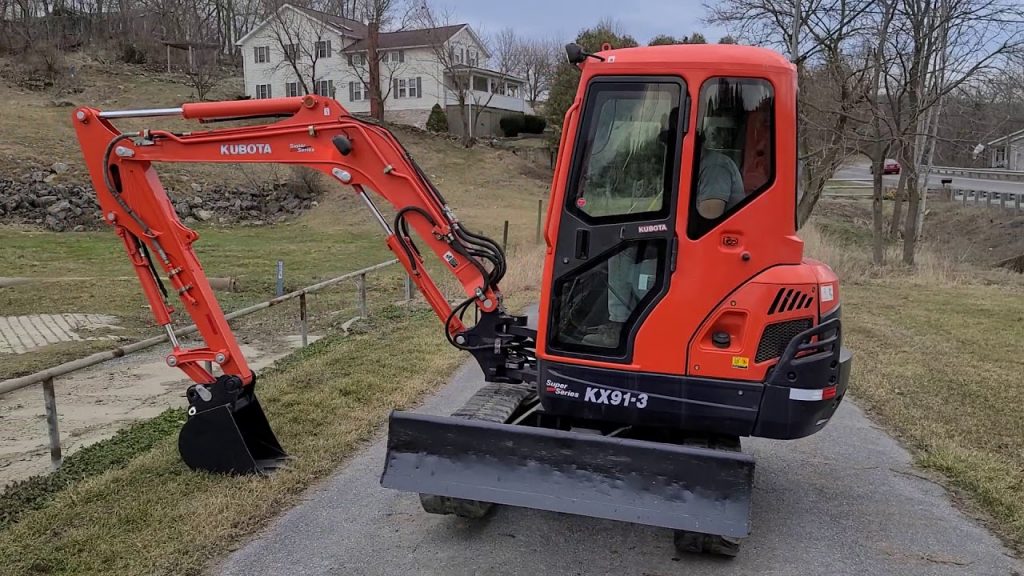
<point>734,152</point>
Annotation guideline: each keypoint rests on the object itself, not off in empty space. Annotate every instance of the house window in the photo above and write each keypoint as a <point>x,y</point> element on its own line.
<point>407,87</point>
<point>261,54</point>
<point>291,89</point>
<point>325,88</point>
<point>358,91</point>
<point>480,84</point>
<point>357,59</point>
<point>262,91</point>
<point>323,49</point>
<point>457,55</point>
<point>473,57</point>
<point>291,51</point>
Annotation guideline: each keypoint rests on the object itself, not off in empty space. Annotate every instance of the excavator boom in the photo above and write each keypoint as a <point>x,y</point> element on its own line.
<point>317,133</point>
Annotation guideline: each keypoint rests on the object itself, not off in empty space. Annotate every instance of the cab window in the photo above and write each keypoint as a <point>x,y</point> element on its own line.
<point>734,152</point>
<point>626,153</point>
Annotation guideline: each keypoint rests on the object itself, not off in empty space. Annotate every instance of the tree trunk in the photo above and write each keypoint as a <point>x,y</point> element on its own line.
<point>897,205</point>
<point>373,62</point>
<point>467,137</point>
<point>913,205</point>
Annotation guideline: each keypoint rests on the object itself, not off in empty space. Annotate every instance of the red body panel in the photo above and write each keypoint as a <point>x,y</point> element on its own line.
<point>738,260</point>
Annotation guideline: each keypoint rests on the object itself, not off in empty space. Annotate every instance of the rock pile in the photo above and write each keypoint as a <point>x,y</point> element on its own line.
<point>34,198</point>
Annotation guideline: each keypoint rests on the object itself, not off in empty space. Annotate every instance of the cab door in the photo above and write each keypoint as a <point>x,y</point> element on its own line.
<point>616,246</point>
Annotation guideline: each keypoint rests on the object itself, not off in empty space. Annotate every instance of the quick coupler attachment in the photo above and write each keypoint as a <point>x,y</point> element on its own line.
<point>227,431</point>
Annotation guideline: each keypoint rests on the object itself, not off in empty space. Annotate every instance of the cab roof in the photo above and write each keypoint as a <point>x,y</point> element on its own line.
<point>699,55</point>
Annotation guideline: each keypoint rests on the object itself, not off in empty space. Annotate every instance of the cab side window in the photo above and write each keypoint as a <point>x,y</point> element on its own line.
<point>734,152</point>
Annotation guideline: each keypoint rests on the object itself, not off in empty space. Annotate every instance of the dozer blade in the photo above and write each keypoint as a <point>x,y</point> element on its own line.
<point>679,487</point>
<point>229,437</point>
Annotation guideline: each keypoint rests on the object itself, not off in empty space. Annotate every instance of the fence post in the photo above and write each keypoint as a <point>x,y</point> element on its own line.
<point>1002,200</point>
<point>50,400</point>
<point>280,278</point>
<point>988,199</point>
<point>504,237</point>
<point>361,286</point>
<point>540,212</point>
<point>408,287</point>
<point>303,326</point>
<point>963,197</point>
<point>1016,202</point>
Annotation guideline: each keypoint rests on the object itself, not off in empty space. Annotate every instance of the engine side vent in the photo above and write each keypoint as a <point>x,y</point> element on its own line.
<point>776,336</point>
<point>789,299</point>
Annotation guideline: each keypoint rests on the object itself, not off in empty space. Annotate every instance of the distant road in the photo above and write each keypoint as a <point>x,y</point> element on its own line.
<point>861,172</point>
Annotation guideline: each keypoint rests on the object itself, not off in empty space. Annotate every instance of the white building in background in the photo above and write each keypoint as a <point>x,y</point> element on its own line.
<point>329,54</point>
<point>1007,151</point>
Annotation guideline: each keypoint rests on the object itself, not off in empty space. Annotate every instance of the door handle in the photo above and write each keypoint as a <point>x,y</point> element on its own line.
<point>582,244</point>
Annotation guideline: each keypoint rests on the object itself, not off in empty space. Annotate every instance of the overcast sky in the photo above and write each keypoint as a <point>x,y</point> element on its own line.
<point>563,19</point>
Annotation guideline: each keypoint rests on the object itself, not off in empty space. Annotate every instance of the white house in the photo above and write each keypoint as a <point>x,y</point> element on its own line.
<point>298,50</point>
<point>1007,151</point>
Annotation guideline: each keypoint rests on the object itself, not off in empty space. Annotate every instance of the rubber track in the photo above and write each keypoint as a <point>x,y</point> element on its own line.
<point>495,402</point>
<point>492,403</point>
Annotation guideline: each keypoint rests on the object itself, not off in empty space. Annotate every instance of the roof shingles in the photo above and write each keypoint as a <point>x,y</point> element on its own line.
<point>410,38</point>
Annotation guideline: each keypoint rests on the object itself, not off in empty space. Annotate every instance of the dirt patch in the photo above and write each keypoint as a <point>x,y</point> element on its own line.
<point>985,236</point>
<point>94,403</point>
<point>962,234</point>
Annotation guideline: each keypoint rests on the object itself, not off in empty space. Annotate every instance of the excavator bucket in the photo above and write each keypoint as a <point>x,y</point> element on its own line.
<point>679,487</point>
<point>232,437</point>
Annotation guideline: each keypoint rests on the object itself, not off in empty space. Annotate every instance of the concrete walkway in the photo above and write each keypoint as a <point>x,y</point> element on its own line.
<point>20,334</point>
<point>843,502</point>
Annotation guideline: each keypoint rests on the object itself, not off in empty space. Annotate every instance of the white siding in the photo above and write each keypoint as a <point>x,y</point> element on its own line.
<point>419,62</point>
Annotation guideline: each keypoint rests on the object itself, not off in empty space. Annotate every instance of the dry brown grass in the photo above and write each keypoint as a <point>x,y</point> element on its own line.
<point>937,360</point>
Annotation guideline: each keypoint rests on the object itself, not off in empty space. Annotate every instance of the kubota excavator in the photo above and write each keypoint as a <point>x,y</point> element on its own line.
<point>677,313</point>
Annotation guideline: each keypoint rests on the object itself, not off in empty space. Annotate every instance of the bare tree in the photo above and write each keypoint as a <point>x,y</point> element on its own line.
<point>377,68</point>
<point>539,58</point>
<point>303,42</point>
<point>453,72</point>
<point>940,46</point>
<point>819,37</point>
<point>203,73</point>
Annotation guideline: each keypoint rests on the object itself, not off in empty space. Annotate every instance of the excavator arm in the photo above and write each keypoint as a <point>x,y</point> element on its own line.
<point>314,132</point>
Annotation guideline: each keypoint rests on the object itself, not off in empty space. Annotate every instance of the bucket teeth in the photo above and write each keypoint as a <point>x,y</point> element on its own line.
<point>227,431</point>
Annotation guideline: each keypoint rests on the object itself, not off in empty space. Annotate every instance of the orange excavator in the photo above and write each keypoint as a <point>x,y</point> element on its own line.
<point>677,312</point>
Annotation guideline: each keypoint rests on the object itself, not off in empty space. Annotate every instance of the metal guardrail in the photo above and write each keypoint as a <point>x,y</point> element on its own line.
<point>1003,200</point>
<point>47,376</point>
<point>980,173</point>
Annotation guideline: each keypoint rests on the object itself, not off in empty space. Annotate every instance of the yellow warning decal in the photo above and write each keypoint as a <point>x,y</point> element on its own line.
<point>740,362</point>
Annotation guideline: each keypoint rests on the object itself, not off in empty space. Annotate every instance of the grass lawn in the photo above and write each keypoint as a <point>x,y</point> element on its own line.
<point>152,515</point>
<point>938,358</point>
<point>942,366</point>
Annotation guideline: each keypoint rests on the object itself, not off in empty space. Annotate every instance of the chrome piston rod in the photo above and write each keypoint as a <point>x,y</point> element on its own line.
<point>142,113</point>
